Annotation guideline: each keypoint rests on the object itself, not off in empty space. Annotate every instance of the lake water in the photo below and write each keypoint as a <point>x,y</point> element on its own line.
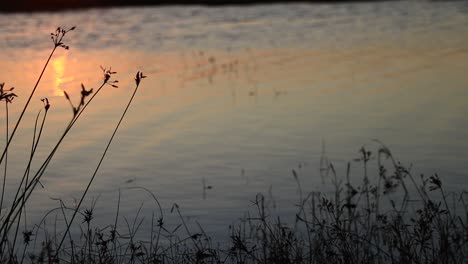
<point>236,98</point>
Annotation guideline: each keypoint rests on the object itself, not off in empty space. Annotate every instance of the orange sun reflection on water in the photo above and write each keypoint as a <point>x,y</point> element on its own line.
<point>58,65</point>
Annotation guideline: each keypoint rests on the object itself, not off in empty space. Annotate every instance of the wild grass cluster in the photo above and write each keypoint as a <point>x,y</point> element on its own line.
<point>388,216</point>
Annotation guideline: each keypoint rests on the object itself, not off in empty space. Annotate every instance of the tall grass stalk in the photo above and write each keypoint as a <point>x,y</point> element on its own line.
<point>20,201</point>
<point>6,95</point>
<point>28,184</point>
<point>6,155</point>
<point>395,220</point>
<point>57,39</point>
<point>138,78</point>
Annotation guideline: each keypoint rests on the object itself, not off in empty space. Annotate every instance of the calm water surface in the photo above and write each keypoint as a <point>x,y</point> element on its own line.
<point>237,97</point>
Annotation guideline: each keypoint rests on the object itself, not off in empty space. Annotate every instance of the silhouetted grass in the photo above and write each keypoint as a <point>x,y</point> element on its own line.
<point>11,218</point>
<point>397,219</point>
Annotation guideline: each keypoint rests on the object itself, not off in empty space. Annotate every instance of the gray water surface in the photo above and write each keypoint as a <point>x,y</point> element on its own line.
<point>238,97</point>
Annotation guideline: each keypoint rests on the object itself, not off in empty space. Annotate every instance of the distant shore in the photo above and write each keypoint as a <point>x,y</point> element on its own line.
<point>57,5</point>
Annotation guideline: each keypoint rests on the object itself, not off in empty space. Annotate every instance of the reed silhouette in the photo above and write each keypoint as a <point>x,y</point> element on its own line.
<point>10,217</point>
<point>397,219</point>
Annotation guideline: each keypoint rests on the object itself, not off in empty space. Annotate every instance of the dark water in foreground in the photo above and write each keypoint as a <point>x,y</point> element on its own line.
<point>237,97</point>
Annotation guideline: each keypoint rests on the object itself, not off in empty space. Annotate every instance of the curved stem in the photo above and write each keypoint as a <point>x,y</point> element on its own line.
<point>6,158</point>
<point>95,171</point>
<point>35,143</point>
<point>26,105</point>
<point>33,150</point>
<point>24,197</point>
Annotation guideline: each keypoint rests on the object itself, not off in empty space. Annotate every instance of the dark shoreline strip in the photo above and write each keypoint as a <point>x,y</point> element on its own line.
<point>59,5</point>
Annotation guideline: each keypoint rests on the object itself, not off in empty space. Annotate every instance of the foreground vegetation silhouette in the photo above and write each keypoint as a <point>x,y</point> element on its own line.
<point>397,219</point>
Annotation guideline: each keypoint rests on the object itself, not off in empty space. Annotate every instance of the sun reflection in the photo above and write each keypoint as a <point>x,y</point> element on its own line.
<point>59,69</point>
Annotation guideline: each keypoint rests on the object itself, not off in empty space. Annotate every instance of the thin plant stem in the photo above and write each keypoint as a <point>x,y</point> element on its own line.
<point>27,104</point>
<point>6,156</point>
<point>114,231</point>
<point>35,143</point>
<point>98,166</point>
<point>36,178</point>
<point>33,150</point>
<point>57,39</point>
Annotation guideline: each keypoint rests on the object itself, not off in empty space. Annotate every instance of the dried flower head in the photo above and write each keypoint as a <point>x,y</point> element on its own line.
<point>46,103</point>
<point>435,182</point>
<point>84,93</point>
<point>88,215</point>
<point>6,94</point>
<point>58,35</point>
<point>27,236</point>
<point>107,75</point>
<point>138,77</point>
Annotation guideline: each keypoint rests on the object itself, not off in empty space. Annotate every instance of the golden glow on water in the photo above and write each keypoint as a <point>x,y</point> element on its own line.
<point>58,65</point>
<point>217,109</point>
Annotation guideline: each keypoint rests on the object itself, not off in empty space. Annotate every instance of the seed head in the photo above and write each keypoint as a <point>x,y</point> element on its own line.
<point>6,94</point>
<point>138,78</point>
